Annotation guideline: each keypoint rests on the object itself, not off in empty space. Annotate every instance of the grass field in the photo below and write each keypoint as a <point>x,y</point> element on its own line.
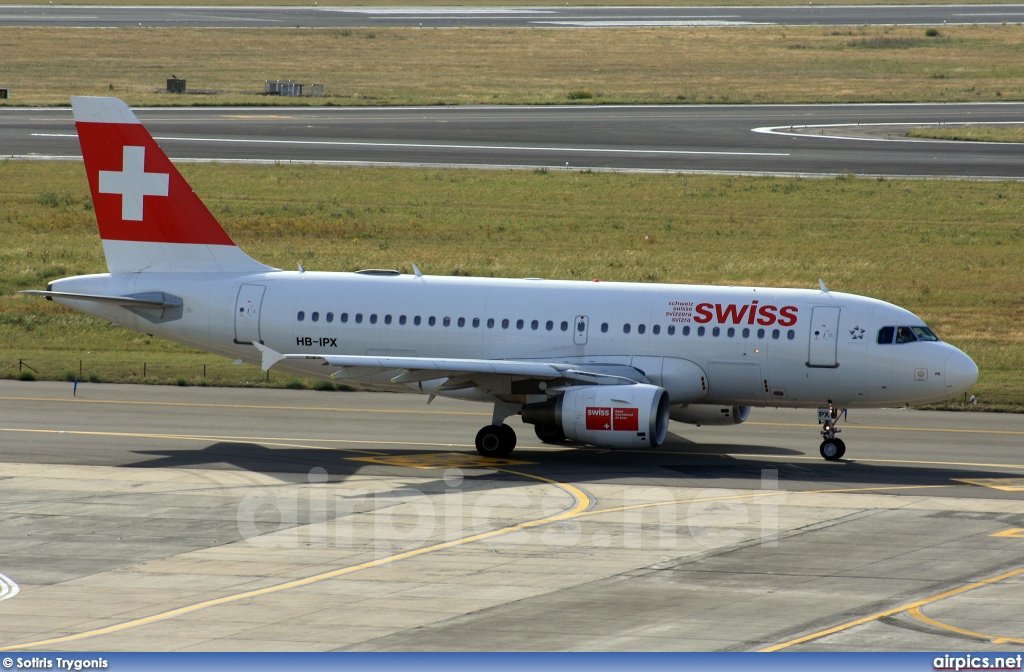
<point>971,133</point>
<point>529,66</point>
<point>950,251</point>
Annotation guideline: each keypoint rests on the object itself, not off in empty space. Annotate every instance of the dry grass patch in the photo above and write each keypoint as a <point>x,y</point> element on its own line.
<point>951,251</point>
<point>971,133</point>
<point>531,66</point>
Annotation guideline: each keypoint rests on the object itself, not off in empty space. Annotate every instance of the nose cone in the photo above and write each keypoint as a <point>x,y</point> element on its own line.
<point>961,373</point>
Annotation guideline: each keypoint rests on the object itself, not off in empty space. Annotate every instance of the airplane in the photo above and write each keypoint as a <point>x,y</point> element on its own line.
<point>601,363</point>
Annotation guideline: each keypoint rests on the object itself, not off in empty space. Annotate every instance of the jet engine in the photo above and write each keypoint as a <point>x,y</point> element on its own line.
<point>607,416</point>
<point>700,414</point>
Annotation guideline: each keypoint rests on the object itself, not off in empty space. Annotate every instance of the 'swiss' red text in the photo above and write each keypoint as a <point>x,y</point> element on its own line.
<point>746,314</point>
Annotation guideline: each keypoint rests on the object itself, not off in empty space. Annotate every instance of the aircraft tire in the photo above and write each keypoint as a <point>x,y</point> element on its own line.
<point>832,449</point>
<point>496,441</point>
<point>549,433</point>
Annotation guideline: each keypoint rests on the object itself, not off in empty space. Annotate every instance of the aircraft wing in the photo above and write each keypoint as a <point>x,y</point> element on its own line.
<point>417,369</point>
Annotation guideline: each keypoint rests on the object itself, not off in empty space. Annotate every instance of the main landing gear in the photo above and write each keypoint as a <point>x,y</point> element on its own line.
<point>496,441</point>
<point>831,448</point>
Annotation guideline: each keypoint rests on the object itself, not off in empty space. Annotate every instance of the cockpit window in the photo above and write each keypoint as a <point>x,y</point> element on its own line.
<point>887,335</point>
<point>905,335</point>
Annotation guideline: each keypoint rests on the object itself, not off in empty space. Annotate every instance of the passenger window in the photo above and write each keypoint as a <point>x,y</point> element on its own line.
<point>625,328</point>
<point>775,334</point>
<point>656,329</point>
<point>447,321</point>
<point>903,335</point>
<point>416,320</point>
<point>359,318</point>
<point>731,332</point>
<point>760,333</point>
<point>387,319</point>
<point>924,334</point>
<point>316,316</point>
<point>490,323</point>
<point>520,324</point>
<point>534,325</point>
<point>462,322</point>
<point>343,317</point>
<point>565,326</point>
<point>700,331</point>
<point>746,333</point>
<point>791,334</point>
<point>301,316</point>
<point>476,322</point>
<point>640,328</point>
<point>401,319</point>
<point>504,323</point>
<point>431,320</point>
<point>329,317</point>
<point>686,330</point>
<point>373,318</point>
<point>604,327</point>
<point>715,332</point>
<point>671,329</point>
<point>549,325</point>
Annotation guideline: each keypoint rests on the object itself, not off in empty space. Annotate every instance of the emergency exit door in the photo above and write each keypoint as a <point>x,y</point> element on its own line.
<point>824,337</point>
<point>579,329</point>
<point>247,313</point>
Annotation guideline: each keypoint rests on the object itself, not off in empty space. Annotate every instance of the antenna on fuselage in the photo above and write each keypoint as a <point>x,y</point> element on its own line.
<point>417,271</point>
<point>821,283</point>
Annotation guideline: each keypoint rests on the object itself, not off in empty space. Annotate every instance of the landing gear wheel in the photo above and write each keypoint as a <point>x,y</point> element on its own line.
<point>832,449</point>
<point>496,441</point>
<point>549,433</point>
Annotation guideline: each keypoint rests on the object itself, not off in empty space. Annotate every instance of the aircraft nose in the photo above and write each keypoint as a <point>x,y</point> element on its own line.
<point>961,373</point>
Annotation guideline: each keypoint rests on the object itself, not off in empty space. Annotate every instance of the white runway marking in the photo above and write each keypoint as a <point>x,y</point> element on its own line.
<point>801,131</point>
<point>417,145</point>
<point>642,23</point>
<point>8,588</point>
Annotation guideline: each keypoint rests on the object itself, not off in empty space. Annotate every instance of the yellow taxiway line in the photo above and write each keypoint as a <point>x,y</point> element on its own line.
<point>891,612</point>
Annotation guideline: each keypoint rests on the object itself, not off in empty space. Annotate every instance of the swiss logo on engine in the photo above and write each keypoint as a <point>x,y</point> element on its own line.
<point>613,419</point>
<point>599,418</point>
<point>626,419</point>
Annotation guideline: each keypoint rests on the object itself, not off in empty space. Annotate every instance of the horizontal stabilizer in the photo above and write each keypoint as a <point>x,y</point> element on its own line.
<point>150,301</point>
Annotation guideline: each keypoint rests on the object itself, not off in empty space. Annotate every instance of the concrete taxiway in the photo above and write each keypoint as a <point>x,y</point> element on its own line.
<point>166,518</point>
<point>808,140</point>
<point>103,16</point>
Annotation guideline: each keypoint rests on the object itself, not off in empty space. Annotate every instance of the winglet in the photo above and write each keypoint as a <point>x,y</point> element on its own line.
<point>270,357</point>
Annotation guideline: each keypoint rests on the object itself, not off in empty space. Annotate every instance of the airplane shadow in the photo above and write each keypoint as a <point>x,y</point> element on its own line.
<point>676,463</point>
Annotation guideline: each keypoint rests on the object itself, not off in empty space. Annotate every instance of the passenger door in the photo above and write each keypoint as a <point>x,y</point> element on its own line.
<point>824,337</point>
<point>247,313</point>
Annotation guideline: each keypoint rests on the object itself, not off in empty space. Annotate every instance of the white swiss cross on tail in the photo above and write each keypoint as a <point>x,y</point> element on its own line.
<point>150,220</point>
<point>133,183</point>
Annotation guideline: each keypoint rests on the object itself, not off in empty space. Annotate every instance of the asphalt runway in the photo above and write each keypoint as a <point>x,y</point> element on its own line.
<point>93,16</point>
<point>813,140</point>
<point>167,518</point>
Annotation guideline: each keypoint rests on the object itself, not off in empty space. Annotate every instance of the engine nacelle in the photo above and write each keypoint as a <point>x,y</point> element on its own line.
<point>701,414</point>
<point>607,416</point>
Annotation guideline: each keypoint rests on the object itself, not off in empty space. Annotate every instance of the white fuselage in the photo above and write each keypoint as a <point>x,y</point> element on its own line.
<point>757,346</point>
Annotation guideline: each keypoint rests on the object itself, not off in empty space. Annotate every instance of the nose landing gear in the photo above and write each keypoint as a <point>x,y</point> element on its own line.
<point>831,448</point>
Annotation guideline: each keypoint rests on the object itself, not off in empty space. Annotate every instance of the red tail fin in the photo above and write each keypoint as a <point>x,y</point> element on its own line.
<point>149,217</point>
